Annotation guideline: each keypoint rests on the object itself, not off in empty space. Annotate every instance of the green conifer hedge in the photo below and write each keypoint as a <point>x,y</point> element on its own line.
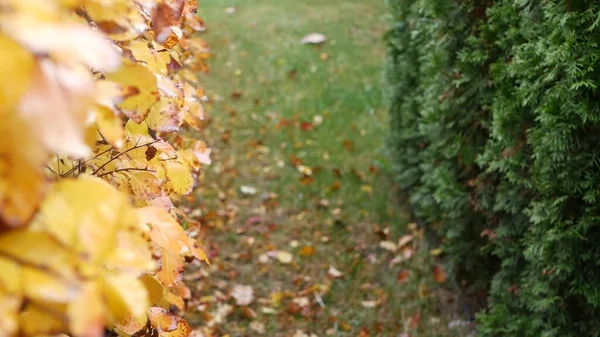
<point>495,110</point>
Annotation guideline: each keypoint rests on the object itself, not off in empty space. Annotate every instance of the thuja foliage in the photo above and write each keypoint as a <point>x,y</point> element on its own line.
<point>92,96</point>
<point>495,112</point>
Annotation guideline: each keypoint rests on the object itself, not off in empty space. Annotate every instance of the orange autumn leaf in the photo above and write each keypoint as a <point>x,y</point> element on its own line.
<point>403,275</point>
<point>439,275</point>
<point>170,242</point>
<point>307,251</point>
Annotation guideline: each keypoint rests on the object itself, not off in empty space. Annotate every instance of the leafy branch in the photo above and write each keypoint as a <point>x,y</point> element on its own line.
<point>137,146</point>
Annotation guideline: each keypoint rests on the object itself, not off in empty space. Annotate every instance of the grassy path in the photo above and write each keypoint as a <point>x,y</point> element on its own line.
<point>297,209</point>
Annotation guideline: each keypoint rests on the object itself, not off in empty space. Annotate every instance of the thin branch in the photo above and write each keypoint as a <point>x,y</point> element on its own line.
<point>120,154</point>
<point>52,170</point>
<point>58,164</point>
<point>103,138</point>
<point>124,170</point>
<point>75,168</point>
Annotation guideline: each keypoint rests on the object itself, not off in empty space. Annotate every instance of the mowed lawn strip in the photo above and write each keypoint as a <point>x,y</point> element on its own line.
<point>299,168</point>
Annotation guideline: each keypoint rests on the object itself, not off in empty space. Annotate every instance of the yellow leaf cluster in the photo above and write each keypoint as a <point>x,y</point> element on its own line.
<point>92,97</point>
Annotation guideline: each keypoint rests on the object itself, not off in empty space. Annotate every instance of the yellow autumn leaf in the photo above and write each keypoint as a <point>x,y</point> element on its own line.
<point>181,180</point>
<point>167,115</point>
<point>37,249</point>
<point>57,105</point>
<point>145,187</point>
<point>86,312</point>
<point>10,278</point>
<point>129,326</point>
<point>168,325</point>
<point>9,307</point>
<point>137,107</point>
<point>125,295</point>
<point>137,128</point>
<point>115,10</point>
<point>170,241</point>
<point>85,214</point>
<point>132,254</point>
<point>40,284</point>
<point>20,190</point>
<point>17,65</point>
<point>37,319</point>
<point>156,291</point>
<point>110,126</point>
<point>67,41</point>
<point>143,53</point>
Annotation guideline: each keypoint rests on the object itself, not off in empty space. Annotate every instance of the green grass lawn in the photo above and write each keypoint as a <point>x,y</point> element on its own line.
<point>258,54</point>
<point>298,135</point>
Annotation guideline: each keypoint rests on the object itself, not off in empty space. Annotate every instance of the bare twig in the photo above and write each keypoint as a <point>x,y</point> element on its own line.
<point>120,154</point>
<point>52,170</point>
<point>75,168</point>
<point>125,170</point>
<point>58,164</point>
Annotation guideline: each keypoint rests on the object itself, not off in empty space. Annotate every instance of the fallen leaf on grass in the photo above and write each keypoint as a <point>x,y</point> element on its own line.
<point>334,272</point>
<point>284,257</point>
<point>306,126</point>
<point>406,252</point>
<point>276,298</point>
<point>300,333</point>
<point>307,251</point>
<point>263,258</point>
<point>257,327</point>
<point>248,190</point>
<point>317,119</point>
<point>439,275</point>
<point>404,240</point>
<point>305,170</point>
<point>301,301</point>
<point>243,295</point>
<point>364,332</point>
<point>293,308</point>
<point>403,276</point>
<point>348,145</point>
<point>268,311</point>
<point>247,312</point>
<point>223,310</point>
<point>436,252</point>
<point>388,245</point>
<point>414,322</point>
<point>255,220</point>
<point>368,189</point>
<point>235,95</point>
<point>423,291</point>
<point>369,304</point>
<point>314,38</point>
